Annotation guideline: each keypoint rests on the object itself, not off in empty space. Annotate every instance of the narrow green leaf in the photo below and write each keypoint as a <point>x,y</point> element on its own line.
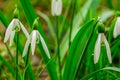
<point>3,19</point>
<point>103,69</point>
<point>20,47</point>
<point>90,49</point>
<point>51,68</point>
<point>10,68</point>
<point>28,10</point>
<point>115,47</point>
<point>25,70</point>
<point>77,49</point>
<point>110,33</point>
<point>31,16</point>
<point>78,19</point>
<point>89,53</point>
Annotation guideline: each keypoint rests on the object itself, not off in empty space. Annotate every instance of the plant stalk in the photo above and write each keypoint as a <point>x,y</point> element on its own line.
<point>58,46</point>
<point>26,64</point>
<point>28,53</point>
<point>17,38</point>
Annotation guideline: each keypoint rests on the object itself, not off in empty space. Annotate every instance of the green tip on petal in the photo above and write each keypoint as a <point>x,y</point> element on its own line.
<point>101,27</point>
<point>16,12</point>
<point>35,24</point>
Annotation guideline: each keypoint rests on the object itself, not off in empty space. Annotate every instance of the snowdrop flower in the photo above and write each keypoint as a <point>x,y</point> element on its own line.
<point>14,26</point>
<point>116,30</point>
<point>56,7</point>
<point>34,38</point>
<point>101,39</point>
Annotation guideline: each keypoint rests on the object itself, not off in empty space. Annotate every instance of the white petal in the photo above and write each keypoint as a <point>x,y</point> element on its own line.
<point>12,37</point>
<point>116,31</point>
<point>97,49</point>
<point>107,47</point>
<point>44,45</point>
<point>58,7</point>
<point>53,7</point>
<point>33,41</point>
<point>24,30</point>
<point>9,30</point>
<point>26,47</point>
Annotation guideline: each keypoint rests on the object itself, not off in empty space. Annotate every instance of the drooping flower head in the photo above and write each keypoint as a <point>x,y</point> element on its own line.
<point>101,39</point>
<point>56,7</point>
<point>34,38</point>
<point>14,26</point>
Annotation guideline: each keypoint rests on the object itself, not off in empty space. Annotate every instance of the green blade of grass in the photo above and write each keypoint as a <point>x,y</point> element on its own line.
<point>76,22</point>
<point>28,10</point>
<point>3,19</point>
<point>90,49</point>
<point>88,59</point>
<point>50,65</point>
<point>31,16</point>
<point>20,47</point>
<point>115,47</point>
<point>77,49</point>
<point>103,69</point>
<point>10,68</point>
<point>78,19</point>
<point>5,22</point>
<point>110,33</point>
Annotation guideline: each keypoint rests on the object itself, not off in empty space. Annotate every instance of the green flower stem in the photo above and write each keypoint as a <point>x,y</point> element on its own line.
<point>17,35</point>
<point>95,68</point>
<point>28,53</point>
<point>71,25</point>
<point>27,59</point>
<point>58,46</point>
<point>119,59</point>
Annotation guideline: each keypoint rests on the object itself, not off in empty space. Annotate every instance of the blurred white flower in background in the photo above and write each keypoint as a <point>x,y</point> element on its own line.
<point>56,7</point>
<point>116,30</point>
<point>14,26</point>
<point>34,38</point>
<point>101,39</point>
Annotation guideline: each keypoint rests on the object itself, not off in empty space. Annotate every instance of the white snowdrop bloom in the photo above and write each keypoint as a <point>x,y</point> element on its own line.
<point>101,39</point>
<point>34,38</point>
<point>116,31</point>
<point>56,7</point>
<point>14,26</point>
